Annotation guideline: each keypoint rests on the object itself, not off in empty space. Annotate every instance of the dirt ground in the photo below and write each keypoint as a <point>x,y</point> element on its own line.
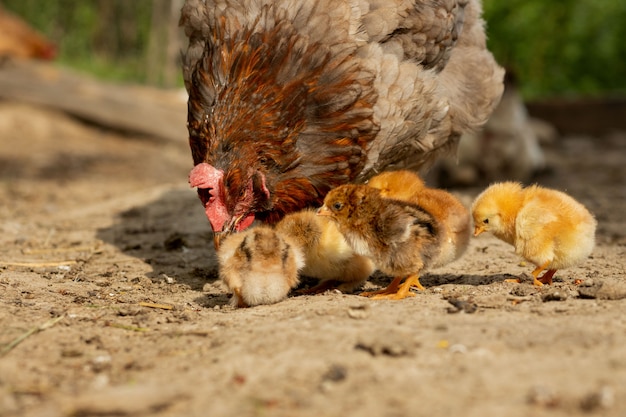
<point>110,306</point>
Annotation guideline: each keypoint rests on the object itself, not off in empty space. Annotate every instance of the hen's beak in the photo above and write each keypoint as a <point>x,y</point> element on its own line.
<point>478,230</point>
<point>324,211</point>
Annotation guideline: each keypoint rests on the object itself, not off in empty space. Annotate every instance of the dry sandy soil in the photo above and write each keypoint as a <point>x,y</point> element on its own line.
<point>110,306</point>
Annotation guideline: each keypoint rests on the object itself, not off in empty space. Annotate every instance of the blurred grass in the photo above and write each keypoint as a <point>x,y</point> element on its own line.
<point>569,47</point>
<point>106,38</point>
<point>564,48</point>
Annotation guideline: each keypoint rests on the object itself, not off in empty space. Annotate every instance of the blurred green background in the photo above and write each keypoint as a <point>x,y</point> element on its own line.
<point>555,48</point>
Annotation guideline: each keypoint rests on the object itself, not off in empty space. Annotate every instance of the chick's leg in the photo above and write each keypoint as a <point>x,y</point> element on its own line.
<point>392,288</point>
<point>403,291</point>
<point>319,288</point>
<point>537,271</point>
<point>547,277</point>
<point>238,299</point>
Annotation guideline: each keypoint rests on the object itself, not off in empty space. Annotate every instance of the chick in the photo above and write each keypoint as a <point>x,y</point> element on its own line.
<point>452,216</point>
<point>546,227</point>
<point>328,257</point>
<point>402,239</point>
<point>259,266</point>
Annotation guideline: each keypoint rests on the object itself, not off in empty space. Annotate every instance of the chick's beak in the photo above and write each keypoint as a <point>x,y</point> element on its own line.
<point>217,238</point>
<point>236,224</point>
<point>478,229</point>
<point>324,211</point>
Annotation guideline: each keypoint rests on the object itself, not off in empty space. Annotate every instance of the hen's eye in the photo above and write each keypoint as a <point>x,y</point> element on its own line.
<point>337,206</point>
<point>486,221</point>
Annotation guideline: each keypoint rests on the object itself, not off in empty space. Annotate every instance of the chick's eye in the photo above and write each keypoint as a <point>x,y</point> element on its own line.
<point>337,206</point>
<point>486,221</point>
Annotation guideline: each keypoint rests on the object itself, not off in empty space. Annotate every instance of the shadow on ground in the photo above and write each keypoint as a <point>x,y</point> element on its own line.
<point>170,234</point>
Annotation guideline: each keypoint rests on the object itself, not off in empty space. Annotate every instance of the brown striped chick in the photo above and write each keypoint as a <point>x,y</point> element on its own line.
<point>402,239</point>
<point>547,227</point>
<point>448,210</point>
<point>328,257</point>
<point>259,266</point>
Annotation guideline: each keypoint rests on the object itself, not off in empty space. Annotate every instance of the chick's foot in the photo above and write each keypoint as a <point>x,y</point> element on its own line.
<point>392,288</point>
<point>547,277</point>
<point>399,292</point>
<point>319,288</point>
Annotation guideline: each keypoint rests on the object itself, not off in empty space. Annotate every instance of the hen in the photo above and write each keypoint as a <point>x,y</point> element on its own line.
<point>18,39</point>
<point>289,99</point>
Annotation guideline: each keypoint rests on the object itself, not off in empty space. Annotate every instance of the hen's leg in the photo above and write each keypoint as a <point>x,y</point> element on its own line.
<point>392,288</point>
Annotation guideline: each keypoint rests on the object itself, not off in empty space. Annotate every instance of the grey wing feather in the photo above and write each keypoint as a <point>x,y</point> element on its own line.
<point>435,78</point>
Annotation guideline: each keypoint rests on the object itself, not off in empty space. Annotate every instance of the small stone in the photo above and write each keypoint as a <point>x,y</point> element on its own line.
<point>457,348</point>
<point>389,344</point>
<point>358,312</point>
<point>174,241</point>
<point>100,363</point>
<point>602,399</point>
<point>543,396</point>
<point>554,295</point>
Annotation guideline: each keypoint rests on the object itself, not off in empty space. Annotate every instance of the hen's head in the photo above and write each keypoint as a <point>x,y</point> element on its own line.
<point>230,198</point>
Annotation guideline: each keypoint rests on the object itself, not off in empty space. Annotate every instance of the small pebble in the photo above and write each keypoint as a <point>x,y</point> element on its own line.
<point>543,396</point>
<point>358,312</point>
<point>603,398</point>
<point>458,348</point>
<point>554,295</point>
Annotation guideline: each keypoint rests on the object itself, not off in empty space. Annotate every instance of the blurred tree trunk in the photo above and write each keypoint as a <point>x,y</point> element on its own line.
<point>164,43</point>
<point>174,45</point>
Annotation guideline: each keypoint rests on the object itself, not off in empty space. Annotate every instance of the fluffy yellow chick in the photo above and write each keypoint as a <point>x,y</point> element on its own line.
<point>448,211</point>
<point>328,257</point>
<point>546,227</point>
<point>259,266</point>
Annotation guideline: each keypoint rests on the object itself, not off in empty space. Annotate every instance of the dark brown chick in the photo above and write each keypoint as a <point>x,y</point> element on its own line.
<point>452,215</point>
<point>401,238</point>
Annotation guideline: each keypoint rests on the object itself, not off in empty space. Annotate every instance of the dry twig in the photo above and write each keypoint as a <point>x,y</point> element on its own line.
<point>29,333</point>
<point>39,264</point>
<point>155,305</point>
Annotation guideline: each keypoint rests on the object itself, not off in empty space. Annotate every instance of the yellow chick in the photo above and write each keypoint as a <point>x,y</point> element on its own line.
<point>328,257</point>
<point>259,266</point>
<point>448,211</point>
<point>546,227</point>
